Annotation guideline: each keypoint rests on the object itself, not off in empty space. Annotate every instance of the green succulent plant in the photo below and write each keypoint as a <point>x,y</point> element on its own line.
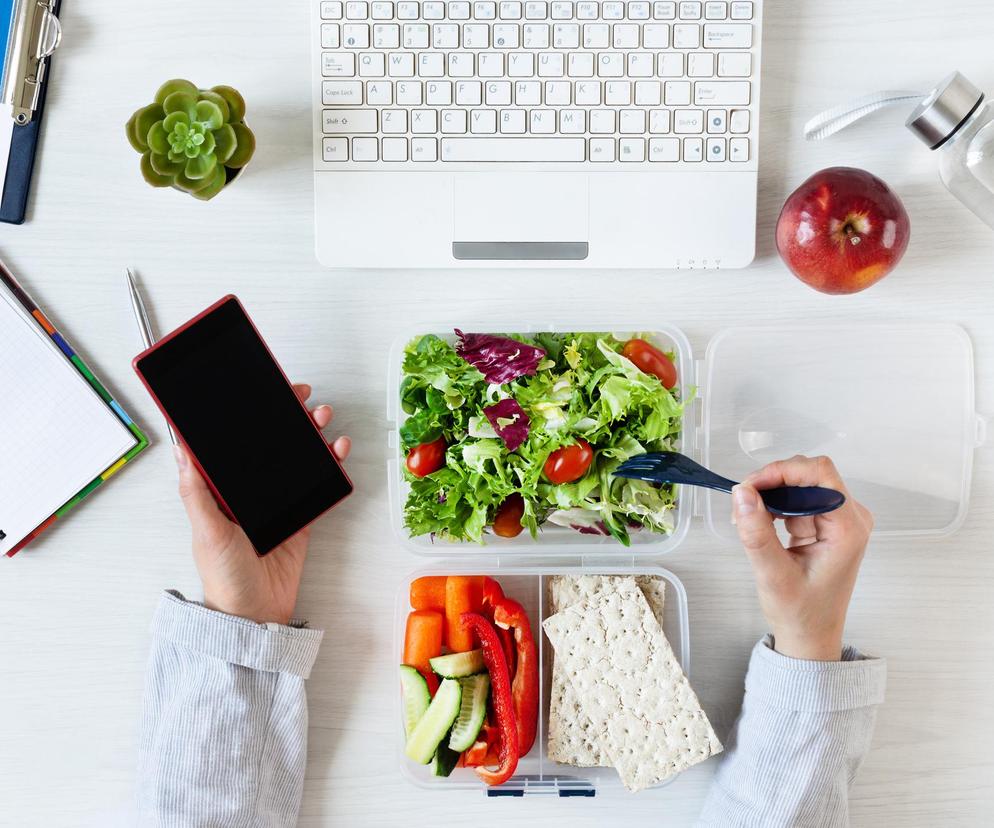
<point>192,139</point>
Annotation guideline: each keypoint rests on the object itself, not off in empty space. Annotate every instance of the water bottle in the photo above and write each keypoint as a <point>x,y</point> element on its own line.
<point>953,119</point>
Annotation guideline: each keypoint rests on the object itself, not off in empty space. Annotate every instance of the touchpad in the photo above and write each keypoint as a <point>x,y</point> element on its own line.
<point>520,215</point>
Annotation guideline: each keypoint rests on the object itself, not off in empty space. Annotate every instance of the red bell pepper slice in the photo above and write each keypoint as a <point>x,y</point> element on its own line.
<point>493,595</point>
<point>509,614</point>
<point>500,694</point>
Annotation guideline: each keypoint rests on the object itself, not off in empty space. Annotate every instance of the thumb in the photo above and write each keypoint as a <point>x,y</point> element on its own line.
<point>755,525</point>
<point>197,499</point>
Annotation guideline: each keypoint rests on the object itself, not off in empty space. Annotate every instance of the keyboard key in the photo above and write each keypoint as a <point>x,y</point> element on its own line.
<point>337,64</point>
<point>664,149</point>
<point>670,65</point>
<point>512,121</point>
<point>335,149</point>
<point>558,93</point>
<point>686,36</point>
<point>458,10</point>
<point>431,65</point>
<point>490,64</point>
<point>357,10</point>
<point>741,11</point>
<point>717,121</point>
<point>625,36</point>
<point>721,93</point>
<point>394,149</point>
<point>639,11</point>
<point>566,36</point>
<point>536,36</point>
<point>345,121</point>
<point>551,65</point>
<point>677,93</point>
<point>659,121</point>
<point>431,11</point>
<point>690,11</point>
<point>510,11</point>
<point>506,35</point>
<point>655,36</point>
<point>693,149</point>
<point>498,93</point>
<point>331,11</point>
<point>562,11</point>
<point>483,121</point>
<point>738,149</point>
<point>400,65</point>
<point>602,121</point>
<point>631,121</point>
<point>715,11</point>
<point>734,64</point>
<point>631,149</point>
<point>521,65</point>
<point>587,93</point>
<point>335,93</point>
<point>438,93</point>
<point>663,11</point>
<point>330,36</point>
<point>379,93</point>
<point>617,93</point>
<point>513,149</point>
<point>409,11</point>
<point>382,11</point>
<point>700,64</point>
<point>542,121</point>
<point>393,120</point>
<point>613,11</point>
<point>610,64</point>
<point>476,36</point>
<point>641,64</point>
<point>372,65</point>
<point>648,93</point>
<point>424,121</point>
<point>409,93</point>
<point>484,10</point>
<point>596,36</point>
<point>586,10</point>
<point>572,121</point>
<point>536,11</point>
<point>424,149</point>
<point>416,36</point>
<point>365,149</point>
<point>386,36</point>
<point>688,121</point>
<point>580,65</point>
<point>739,121</point>
<point>727,36</point>
<point>602,149</point>
<point>716,149</point>
<point>445,36</point>
<point>528,93</point>
<point>469,93</point>
<point>453,120</point>
<point>461,64</point>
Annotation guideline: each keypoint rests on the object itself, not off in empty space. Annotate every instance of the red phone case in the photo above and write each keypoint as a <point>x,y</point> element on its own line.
<point>217,495</point>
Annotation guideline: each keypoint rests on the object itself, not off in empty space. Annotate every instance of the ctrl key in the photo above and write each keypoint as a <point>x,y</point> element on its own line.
<point>336,149</point>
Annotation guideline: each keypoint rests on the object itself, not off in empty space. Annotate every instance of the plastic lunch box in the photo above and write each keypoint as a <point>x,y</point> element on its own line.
<point>892,403</point>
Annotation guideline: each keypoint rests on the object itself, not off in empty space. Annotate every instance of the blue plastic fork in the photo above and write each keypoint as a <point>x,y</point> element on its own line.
<point>672,467</point>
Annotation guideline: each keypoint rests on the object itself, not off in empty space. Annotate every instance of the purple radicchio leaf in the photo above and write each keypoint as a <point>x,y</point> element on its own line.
<point>509,421</point>
<point>498,358</point>
<point>595,529</point>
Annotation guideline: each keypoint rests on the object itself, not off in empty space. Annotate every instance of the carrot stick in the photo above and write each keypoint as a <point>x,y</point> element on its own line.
<point>428,593</point>
<point>422,641</point>
<point>463,593</point>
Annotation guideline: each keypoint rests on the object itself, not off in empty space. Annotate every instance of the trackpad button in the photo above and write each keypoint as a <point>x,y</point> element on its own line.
<point>546,215</point>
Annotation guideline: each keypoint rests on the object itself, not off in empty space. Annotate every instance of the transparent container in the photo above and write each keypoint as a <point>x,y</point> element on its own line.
<point>536,774</point>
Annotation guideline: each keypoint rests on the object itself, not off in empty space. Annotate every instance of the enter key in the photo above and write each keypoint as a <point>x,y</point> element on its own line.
<point>721,93</point>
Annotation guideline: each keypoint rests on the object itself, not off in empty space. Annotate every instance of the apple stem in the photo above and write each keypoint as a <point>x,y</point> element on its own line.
<point>852,235</point>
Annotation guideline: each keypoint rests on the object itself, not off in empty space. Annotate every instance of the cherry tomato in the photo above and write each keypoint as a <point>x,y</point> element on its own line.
<point>427,458</point>
<point>569,463</point>
<point>507,521</point>
<point>648,358</point>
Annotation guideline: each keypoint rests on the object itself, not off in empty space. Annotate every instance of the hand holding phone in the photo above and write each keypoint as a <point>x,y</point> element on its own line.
<point>235,579</point>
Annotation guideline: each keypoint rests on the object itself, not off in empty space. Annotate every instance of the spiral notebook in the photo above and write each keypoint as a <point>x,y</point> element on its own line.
<point>61,433</point>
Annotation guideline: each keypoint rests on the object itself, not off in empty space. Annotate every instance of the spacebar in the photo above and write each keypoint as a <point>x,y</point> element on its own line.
<point>513,149</point>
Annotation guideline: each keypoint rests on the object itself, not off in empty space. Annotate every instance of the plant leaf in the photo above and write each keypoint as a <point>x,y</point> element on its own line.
<point>181,102</point>
<point>137,141</point>
<point>236,103</point>
<point>174,120</point>
<point>158,139</point>
<point>151,176</point>
<point>245,148</point>
<point>145,118</point>
<point>200,167</point>
<point>217,183</point>
<point>191,185</point>
<point>218,101</point>
<point>210,115</point>
<point>175,85</point>
<point>164,166</point>
<point>207,143</point>
<point>225,143</point>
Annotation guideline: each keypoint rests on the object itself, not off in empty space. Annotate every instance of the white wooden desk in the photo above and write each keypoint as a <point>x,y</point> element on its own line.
<point>75,608</point>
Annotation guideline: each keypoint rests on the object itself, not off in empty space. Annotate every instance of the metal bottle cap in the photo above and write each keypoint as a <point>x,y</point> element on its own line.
<point>948,105</point>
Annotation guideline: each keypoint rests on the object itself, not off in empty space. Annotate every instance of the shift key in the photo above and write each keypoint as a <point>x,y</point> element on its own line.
<point>349,121</point>
<point>721,93</point>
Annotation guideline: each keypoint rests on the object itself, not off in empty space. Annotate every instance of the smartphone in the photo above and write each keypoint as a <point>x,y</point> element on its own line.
<point>253,440</point>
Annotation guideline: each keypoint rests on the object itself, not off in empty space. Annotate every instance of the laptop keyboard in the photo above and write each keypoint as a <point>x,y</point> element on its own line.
<point>600,82</point>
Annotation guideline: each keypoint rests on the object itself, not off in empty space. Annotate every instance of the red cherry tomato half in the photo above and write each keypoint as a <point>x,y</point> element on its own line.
<point>507,521</point>
<point>427,458</point>
<point>648,358</point>
<point>569,463</point>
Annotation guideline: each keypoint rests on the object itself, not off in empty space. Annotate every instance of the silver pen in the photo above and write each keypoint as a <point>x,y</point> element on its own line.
<point>144,328</point>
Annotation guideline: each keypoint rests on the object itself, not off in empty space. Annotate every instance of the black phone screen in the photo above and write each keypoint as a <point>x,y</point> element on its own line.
<point>235,410</point>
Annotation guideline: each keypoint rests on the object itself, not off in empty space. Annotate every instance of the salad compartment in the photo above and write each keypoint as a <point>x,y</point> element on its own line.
<point>552,541</point>
<point>535,773</point>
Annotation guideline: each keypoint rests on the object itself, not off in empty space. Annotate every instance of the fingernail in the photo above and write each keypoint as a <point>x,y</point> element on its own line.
<point>181,458</point>
<point>744,500</point>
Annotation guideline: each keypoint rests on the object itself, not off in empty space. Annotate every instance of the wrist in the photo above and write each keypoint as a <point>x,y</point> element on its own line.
<point>806,646</point>
<point>258,614</point>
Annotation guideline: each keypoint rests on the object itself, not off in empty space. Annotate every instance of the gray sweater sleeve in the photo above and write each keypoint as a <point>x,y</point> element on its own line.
<point>803,732</point>
<point>224,721</point>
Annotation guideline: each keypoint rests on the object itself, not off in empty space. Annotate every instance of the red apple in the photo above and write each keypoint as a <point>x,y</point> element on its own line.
<point>842,230</point>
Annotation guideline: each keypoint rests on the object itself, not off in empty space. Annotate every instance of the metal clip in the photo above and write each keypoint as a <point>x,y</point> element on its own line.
<point>35,34</point>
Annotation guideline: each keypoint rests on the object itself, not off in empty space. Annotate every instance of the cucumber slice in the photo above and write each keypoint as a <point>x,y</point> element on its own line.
<point>472,711</point>
<point>457,665</point>
<point>432,727</point>
<point>415,695</point>
<point>445,759</point>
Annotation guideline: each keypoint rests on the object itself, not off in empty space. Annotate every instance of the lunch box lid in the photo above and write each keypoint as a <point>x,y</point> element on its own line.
<point>893,404</point>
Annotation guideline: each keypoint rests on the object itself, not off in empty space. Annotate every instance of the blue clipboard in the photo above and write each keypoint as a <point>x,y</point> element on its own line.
<point>24,141</point>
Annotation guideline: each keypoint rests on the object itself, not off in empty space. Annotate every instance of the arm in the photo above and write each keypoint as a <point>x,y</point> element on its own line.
<point>808,713</point>
<point>224,723</point>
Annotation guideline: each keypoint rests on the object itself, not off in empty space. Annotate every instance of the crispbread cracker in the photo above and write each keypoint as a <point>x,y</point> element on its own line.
<point>570,743</point>
<point>631,689</point>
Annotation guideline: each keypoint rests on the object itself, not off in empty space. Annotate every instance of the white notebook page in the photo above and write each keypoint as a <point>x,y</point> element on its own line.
<point>56,433</point>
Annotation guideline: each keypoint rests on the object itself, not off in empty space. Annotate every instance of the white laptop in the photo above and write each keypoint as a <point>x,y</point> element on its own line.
<point>496,133</point>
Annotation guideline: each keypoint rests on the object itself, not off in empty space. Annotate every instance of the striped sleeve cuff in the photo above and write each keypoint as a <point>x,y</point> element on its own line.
<point>270,648</point>
<point>815,686</point>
